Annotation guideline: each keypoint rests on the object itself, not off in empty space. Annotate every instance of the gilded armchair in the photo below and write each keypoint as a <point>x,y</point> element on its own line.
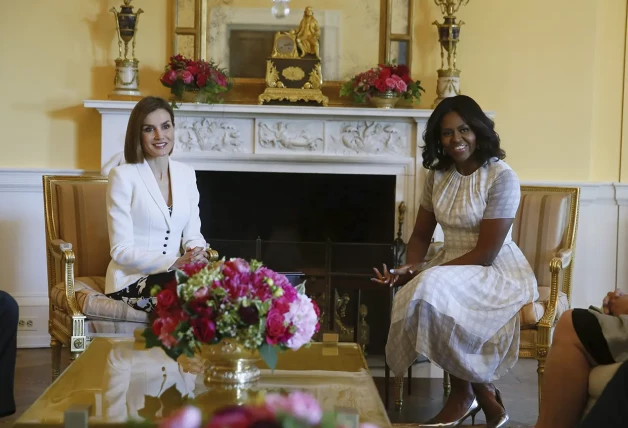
<point>545,230</point>
<point>77,247</point>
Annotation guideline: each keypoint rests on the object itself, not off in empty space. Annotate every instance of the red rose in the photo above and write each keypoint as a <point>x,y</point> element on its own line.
<point>171,285</point>
<point>204,329</point>
<point>318,315</point>
<point>157,326</point>
<point>192,269</point>
<point>166,299</point>
<point>201,80</point>
<point>169,77</point>
<point>200,308</point>
<point>381,85</point>
<point>193,68</point>
<point>276,330</point>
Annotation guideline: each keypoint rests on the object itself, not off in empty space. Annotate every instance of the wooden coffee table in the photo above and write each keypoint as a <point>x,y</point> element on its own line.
<point>117,380</point>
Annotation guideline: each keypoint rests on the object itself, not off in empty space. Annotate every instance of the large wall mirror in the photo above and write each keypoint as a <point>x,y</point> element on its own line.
<point>238,34</point>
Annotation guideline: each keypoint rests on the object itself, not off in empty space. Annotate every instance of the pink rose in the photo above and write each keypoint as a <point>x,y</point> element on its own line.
<point>168,326</point>
<point>187,417</point>
<point>187,77</point>
<point>390,84</point>
<point>238,417</point>
<point>401,85</point>
<point>299,404</point>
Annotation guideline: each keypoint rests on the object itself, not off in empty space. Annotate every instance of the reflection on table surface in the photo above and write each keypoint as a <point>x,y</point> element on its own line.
<point>120,380</point>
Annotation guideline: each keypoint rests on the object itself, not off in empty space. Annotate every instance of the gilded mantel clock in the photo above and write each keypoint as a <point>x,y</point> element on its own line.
<point>293,70</point>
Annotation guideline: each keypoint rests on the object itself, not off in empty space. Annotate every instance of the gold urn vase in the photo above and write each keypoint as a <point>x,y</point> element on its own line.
<point>230,363</point>
<point>386,99</point>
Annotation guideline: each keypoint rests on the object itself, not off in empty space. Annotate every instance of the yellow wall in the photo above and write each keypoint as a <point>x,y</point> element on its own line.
<point>55,54</point>
<point>552,72</point>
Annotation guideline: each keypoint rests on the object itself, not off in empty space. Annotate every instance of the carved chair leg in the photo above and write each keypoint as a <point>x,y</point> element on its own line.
<point>398,392</point>
<point>386,385</point>
<point>541,371</point>
<point>446,383</point>
<point>55,349</point>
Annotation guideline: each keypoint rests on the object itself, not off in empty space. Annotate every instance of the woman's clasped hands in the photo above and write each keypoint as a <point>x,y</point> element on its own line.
<point>192,255</point>
<point>397,276</point>
<point>615,303</point>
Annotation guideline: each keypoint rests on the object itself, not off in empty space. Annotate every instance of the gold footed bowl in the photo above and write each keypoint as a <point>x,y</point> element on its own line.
<point>386,99</point>
<point>230,363</point>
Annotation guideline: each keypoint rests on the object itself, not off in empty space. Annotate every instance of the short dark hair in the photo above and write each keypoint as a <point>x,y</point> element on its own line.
<point>133,152</point>
<point>434,156</point>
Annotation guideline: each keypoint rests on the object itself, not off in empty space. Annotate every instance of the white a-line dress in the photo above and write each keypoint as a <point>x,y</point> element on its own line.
<point>465,318</point>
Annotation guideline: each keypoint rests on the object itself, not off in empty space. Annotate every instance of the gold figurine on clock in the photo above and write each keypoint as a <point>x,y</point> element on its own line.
<point>293,70</point>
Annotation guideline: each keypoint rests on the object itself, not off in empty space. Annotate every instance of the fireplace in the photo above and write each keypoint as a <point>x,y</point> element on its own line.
<point>328,229</point>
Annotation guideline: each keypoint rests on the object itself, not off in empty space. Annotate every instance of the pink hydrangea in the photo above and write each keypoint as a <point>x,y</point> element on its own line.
<point>301,315</point>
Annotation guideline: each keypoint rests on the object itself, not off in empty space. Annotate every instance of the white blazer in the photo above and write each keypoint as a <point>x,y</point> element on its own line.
<point>144,238</point>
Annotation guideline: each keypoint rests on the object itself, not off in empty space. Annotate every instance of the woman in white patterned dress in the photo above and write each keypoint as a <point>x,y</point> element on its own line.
<point>460,310</point>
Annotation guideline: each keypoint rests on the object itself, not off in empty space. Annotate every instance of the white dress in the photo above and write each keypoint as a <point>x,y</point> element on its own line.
<point>465,318</point>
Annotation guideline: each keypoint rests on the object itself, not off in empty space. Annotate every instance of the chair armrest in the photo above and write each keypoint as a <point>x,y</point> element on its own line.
<point>556,265</point>
<point>433,249</point>
<point>565,256</point>
<point>64,261</point>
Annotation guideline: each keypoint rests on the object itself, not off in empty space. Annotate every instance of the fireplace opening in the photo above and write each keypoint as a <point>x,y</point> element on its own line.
<point>327,229</point>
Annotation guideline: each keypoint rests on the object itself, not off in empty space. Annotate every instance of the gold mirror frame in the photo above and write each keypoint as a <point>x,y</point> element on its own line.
<point>246,90</point>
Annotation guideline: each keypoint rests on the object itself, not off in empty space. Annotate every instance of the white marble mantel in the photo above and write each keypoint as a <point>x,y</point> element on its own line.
<point>333,140</point>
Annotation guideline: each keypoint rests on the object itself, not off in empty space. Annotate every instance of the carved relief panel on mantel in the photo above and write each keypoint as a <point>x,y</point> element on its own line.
<point>369,137</point>
<point>289,135</point>
<point>213,135</point>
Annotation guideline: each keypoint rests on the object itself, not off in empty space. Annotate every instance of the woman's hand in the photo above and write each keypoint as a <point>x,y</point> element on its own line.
<point>192,255</point>
<point>395,277</point>
<point>615,303</point>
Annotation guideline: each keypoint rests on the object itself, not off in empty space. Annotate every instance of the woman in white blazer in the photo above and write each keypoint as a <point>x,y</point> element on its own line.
<point>152,209</point>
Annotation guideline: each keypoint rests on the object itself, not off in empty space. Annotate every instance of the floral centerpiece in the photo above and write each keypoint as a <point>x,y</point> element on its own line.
<point>204,80</point>
<point>386,81</point>
<point>295,410</point>
<point>244,305</point>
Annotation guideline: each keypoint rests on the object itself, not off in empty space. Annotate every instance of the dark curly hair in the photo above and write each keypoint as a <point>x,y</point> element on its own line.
<point>434,155</point>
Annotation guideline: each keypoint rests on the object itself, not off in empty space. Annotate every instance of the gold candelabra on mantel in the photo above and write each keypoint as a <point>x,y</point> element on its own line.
<point>448,84</point>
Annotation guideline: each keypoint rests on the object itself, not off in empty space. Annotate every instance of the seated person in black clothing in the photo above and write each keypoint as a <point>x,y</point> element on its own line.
<point>583,339</point>
<point>9,314</point>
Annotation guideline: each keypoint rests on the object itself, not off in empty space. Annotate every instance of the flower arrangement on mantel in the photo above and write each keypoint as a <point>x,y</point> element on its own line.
<point>231,299</point>
<point>295,410</point>
<point>204,80</point>
<point>385,78</point>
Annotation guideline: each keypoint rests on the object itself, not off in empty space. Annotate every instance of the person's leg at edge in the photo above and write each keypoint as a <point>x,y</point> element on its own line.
<point>458,402</point>
<point>9,314</point>
<point>566,380</point>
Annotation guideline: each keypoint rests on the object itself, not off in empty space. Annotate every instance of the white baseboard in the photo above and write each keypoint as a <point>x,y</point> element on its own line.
<point>35,341</point>
<point>602,240</point>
